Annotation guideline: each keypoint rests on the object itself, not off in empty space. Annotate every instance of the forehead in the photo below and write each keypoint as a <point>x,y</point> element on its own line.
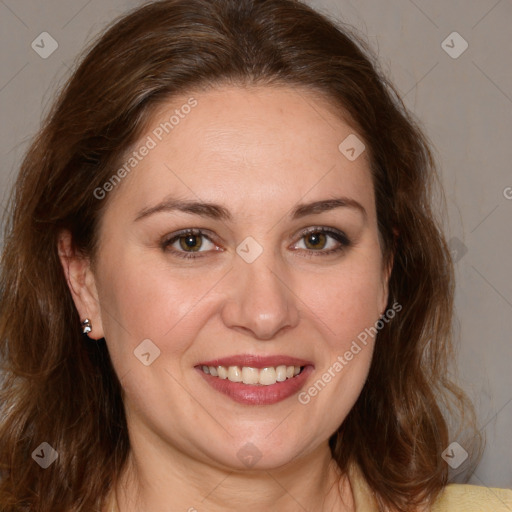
<point>249,147</point>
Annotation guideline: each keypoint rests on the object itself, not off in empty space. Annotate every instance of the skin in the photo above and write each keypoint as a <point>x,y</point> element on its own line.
<point>257,151</point>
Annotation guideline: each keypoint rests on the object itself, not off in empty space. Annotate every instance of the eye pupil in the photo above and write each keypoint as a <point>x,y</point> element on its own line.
<point>314,240</point>
<point>190,242</point>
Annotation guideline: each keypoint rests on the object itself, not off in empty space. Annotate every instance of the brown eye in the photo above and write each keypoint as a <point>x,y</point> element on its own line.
<point>192,242</point>
<point>189,243</point>
<point>315,240</point>
<point>319,241</point>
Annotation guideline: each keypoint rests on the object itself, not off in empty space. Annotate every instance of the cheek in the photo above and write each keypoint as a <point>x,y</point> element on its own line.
<point>344,306</point>
<point>142,300</point>
<point>345,301</point>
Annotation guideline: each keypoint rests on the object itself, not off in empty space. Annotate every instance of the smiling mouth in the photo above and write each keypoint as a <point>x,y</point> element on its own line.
<point>254,376</point>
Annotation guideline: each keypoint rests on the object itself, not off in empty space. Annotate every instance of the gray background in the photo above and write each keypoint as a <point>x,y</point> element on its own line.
<point>464,104</point>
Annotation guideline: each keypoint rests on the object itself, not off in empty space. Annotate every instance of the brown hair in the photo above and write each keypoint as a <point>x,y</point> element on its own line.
<point>60,388</point>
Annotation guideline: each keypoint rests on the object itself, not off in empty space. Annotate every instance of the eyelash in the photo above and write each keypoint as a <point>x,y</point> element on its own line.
<point>339,236</point>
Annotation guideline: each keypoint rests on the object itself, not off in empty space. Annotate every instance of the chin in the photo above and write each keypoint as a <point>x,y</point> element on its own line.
<point>260,454</point>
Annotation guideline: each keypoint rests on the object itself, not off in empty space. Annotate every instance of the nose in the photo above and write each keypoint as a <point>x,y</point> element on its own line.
<point>261,301</point>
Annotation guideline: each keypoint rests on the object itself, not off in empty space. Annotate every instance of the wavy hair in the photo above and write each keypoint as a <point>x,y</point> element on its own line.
<point>59,388</point>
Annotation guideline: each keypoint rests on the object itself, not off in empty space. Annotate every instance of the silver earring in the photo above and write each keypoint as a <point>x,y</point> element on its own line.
<point>86,326</point>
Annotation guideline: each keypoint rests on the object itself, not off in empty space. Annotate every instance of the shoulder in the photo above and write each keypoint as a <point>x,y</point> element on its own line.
<point>472,498</point>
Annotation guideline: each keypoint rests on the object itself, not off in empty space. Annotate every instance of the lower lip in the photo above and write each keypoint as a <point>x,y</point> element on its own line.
<point>258,395</point>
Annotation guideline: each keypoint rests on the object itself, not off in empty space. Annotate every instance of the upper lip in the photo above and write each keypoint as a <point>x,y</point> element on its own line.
<point>255,361</point>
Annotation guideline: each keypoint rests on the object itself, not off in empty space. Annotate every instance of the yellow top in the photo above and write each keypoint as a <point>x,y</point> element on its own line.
<point>454,498</point>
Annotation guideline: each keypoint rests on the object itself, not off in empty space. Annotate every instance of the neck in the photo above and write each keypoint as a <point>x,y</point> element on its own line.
<point>156,480</point>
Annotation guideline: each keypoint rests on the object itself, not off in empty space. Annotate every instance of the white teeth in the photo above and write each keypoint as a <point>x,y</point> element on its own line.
<point>253,376</point>
<point>281,373</point>
<point>268,376</point>
<point>250,375</point>
<point>234,374</point>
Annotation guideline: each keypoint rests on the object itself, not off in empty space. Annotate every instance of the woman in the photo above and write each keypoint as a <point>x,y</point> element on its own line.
<point>223,283</point>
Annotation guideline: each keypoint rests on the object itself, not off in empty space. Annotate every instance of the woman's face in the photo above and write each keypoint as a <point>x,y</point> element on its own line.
<point>252,171</point>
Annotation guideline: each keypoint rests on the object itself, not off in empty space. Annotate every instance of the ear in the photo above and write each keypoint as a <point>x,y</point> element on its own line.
<point>81,283</point>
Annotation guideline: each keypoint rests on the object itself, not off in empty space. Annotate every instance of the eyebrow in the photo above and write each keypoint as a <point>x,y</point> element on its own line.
<point>218,212</point>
